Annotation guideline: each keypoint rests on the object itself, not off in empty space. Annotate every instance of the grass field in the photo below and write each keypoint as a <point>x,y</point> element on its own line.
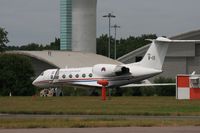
<point>167,106</point>
<point>93,105</point>
<point>67,123</point>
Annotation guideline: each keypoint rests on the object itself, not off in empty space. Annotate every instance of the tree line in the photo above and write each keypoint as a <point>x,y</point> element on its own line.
<point>36,47</point>
<point>123,45</point>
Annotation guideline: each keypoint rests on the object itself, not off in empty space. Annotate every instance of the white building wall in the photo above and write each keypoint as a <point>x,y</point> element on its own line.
<point>173,66</point>
<point>84,25</point>
<point>181,50</point>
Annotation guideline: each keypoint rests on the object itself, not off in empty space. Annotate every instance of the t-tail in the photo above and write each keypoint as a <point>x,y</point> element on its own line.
<point>155,56</point>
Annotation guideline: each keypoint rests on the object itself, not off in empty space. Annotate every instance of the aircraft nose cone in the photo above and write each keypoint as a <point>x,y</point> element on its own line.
<point>34,83</point>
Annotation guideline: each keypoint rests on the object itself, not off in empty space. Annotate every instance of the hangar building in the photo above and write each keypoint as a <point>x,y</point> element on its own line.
<point>78,25</point>
<point>180,59</point>
<point>42,60</point>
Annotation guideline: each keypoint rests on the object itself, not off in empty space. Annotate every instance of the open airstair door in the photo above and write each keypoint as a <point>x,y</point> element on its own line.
<point>56,76</point>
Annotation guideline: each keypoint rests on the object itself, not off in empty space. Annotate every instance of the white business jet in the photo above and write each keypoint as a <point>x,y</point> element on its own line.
<point>109,75</point>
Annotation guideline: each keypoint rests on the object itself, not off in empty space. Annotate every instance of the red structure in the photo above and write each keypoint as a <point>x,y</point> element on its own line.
<point>104,83</point>
<point>188,87</point>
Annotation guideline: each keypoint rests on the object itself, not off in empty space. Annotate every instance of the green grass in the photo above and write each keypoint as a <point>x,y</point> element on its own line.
<point>94,105</point>
<point>67,123</point>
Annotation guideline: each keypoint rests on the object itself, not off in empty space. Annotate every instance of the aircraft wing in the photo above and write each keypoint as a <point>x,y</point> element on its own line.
<point>148,85</point>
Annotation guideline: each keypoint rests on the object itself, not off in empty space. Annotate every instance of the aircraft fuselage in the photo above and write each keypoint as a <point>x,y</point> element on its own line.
<point>87,77</point>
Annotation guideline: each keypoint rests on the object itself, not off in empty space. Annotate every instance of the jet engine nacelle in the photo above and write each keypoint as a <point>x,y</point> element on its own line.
<point>108,70</point>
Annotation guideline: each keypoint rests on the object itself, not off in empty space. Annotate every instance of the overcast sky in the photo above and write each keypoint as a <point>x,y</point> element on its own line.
<point>38,20</point>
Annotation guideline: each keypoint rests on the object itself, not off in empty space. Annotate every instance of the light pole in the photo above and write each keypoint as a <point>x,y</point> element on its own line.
<point>109,16</point>
<point>115,27</point>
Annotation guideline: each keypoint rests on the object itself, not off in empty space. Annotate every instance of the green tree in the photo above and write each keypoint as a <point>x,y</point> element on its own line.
<point>32,46</point>
<point>15,75</point>
<point>53,45</point>
<point>37,47</point>
<point>3,39</point>
<point>102,45</point>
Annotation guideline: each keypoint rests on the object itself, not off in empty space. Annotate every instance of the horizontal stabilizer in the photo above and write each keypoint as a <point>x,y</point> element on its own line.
<point>163,39</point>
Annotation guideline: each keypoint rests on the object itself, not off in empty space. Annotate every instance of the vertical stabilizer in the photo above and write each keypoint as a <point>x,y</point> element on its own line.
<point>155,56</point>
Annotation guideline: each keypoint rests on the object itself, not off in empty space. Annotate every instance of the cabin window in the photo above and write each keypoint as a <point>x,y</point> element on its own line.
<point>77,76</point>
<point>90,75</point>
<point>84,75</point>
<point>64,76</point>
<point>70,76</point>
<point>51,76</point>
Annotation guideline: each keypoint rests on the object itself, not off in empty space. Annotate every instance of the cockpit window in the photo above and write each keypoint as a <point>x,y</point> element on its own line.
<point>42,74</point>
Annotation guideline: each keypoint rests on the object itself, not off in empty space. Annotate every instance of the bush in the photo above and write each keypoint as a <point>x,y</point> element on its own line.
<point>15,75</point>
<point>165,90</point>
<point>71,91</point>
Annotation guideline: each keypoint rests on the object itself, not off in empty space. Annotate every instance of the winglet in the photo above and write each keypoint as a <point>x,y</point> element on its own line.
<point>193,73</point>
